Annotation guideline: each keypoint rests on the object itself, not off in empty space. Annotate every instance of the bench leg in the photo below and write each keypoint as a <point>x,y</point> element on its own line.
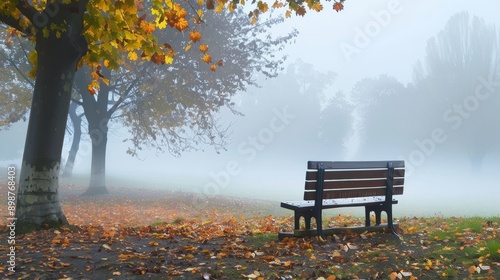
<point>378,214</point>
<point>390,223</point>
<point>307,218</point>
<point>367,216</point>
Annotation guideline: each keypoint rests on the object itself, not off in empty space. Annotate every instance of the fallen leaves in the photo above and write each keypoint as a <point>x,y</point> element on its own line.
<point>178,235</point>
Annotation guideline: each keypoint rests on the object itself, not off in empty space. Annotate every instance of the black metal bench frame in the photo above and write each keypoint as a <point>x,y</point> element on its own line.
<point>366,188</point>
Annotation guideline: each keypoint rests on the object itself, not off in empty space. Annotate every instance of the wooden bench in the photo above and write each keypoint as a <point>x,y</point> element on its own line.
<point>335,184</point>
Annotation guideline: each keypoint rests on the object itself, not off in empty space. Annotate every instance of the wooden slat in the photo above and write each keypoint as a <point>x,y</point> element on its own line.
<point>353,174</point>
<point>345,184</point>
<point>355,164</point>
<point>333,194</point>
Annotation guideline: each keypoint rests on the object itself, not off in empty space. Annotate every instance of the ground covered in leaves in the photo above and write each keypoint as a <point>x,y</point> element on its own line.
<point>152,234</point>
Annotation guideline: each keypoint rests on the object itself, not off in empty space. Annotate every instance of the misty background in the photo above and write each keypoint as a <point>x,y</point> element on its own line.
<point>363,84</point>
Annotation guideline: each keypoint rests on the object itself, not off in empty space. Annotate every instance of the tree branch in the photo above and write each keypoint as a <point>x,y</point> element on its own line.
<point>12,22</point>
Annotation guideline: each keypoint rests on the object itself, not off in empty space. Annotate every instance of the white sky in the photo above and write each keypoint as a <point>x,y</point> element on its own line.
<point>396,47</point>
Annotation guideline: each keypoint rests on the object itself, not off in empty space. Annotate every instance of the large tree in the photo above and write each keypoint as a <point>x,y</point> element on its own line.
<point>172,108</point>
<point>100,32</point>
<point>459,80</point>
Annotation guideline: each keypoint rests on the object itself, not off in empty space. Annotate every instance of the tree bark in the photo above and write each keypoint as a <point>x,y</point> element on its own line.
<point>98,130</point>
<point>75,143</point>
<point>96,112</point>
<point>38,204</point>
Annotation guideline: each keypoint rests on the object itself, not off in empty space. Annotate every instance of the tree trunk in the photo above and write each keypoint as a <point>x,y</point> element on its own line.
<point>98,130</point>
<point>96,112</point>
<point>75,143</point>
<point>38,203</point>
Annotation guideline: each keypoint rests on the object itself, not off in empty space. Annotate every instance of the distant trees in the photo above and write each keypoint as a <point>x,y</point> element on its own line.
<point>460,79</point>
<point>286,118</point>
<point>336,126</point>
<point>453,98</point>
<point>384,112</point>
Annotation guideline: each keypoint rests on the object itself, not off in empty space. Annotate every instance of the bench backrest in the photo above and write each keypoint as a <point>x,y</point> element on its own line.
<point>349,179</point>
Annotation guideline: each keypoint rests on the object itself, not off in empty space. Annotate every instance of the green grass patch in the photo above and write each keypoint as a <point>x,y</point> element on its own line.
<point>260,240</point>
<point>493,248</point>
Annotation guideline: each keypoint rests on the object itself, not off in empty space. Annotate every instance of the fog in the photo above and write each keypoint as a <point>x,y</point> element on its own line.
<point>351,90</point>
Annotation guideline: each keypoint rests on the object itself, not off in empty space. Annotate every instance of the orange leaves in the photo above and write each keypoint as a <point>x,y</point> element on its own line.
<point>195,36</point>
<point>148,27</point>
<point>126,256</point>
<point>94,85</point>
<point>301,11</point>
<point>137,234</point>
<point>210,4</point>
<point>207,58</point>
<point>263,7</point>
<point>203,48</point>
<point>158,58</point>
<point>338,6</point>
<point>176,17</point>
<point>181,24</point>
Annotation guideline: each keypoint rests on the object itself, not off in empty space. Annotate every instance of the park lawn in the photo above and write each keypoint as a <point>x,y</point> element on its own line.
<point>153,234</point>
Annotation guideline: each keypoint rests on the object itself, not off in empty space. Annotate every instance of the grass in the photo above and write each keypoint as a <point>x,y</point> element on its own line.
<point>260,240</point>
<point>493,247</point>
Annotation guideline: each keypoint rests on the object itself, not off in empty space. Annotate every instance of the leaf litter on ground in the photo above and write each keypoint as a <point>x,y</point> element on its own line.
<point>154,234</point>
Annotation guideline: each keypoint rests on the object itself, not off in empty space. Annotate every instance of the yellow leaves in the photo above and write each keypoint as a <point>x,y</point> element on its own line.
<point>263,7</point>
<point>45,32</point>
<point>93,87</point>
<point>33,59</point>
<point>132,56</point>
<point>219,8</point>
<point>316,7</point>
<point>200,13</point>
<point>105,81</point>
<point>94,75</point>
<point>158,58</point>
